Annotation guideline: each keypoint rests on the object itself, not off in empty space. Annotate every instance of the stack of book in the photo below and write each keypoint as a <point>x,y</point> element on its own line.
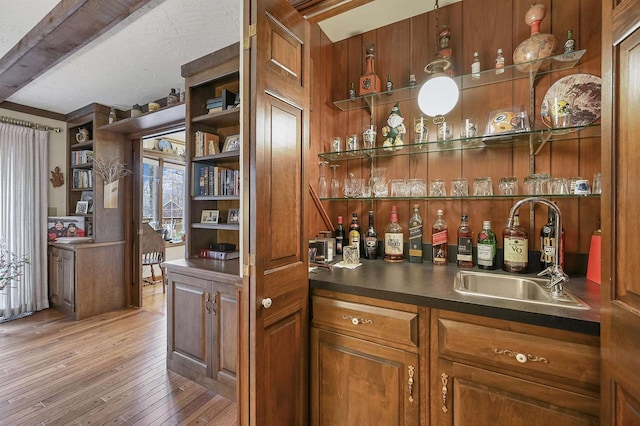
<point>221,103</point>
<point>220,252</point>
<point>206,144</point>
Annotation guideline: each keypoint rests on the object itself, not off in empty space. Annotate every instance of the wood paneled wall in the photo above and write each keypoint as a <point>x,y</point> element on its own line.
<point>404,48</point>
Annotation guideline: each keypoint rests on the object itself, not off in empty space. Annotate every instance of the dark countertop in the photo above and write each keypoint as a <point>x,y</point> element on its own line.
<point>426,285</point>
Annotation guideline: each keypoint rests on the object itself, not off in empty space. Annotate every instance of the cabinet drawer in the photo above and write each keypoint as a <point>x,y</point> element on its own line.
<point>390,325</point>
<point>566,355</point>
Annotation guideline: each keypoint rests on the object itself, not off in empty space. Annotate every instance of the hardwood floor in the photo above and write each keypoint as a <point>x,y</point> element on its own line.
<point>107,369</point>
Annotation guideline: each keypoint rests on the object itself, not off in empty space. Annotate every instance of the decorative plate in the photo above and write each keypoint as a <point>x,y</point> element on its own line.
<point>165,145</point>
<point>580,90</point>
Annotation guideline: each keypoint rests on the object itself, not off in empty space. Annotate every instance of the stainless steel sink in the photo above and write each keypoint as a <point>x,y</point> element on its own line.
<point>522,289</point>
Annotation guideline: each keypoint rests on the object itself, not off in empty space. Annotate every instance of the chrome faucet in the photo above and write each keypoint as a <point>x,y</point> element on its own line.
<point>557,276</point>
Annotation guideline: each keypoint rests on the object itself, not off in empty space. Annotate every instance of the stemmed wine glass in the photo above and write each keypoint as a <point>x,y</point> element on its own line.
<point>323,185</point>
<point>335,185</point>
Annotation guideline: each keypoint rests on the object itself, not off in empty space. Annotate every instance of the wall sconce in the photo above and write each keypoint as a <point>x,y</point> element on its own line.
<point>439,94</point>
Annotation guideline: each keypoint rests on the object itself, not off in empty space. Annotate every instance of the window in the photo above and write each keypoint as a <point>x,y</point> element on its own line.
<point>163,195</point>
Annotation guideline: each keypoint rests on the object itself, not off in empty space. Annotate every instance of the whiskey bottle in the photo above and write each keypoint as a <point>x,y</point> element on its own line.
<point>487,247</point>
<point>369,82</point>
<point>465,244</point>
<point>548,244</point>
<point>371,240</point>
<point>516,247</point>
<point>570,44</point>
<point>354,233</point>
<point>440,240</point>
<point>475,67</point>
<point>393,238</point>
<point>339,236</point>
<point>415,236</point>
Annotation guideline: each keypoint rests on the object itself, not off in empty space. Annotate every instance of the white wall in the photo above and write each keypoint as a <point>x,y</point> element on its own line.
<point>57,158</point>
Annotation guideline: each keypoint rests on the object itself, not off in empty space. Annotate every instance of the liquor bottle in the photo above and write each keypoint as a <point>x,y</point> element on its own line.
<point>412,80</point>
<point>440,240</point>
<point>487,247</point>
<point>393,238</point>
<point>516,247</point>
<point>352,91</point>
<point>548,242</point>
<point>354,233</point>
<point>465,244</point>
<point>389,83</point>
<point>570,44</point>
<point>499,62</point>
<point>339,236</point>
<point>475,67</point>
<point>173,97</point>
<point>371,240</point>
<point>112,116</point>
<point>415,236</point>
<point>369,82</point>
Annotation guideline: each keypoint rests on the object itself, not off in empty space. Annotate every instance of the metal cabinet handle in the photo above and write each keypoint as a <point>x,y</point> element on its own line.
<point>356,320</point>
<point>207,302</point>
<point>267,302</point>
<point>520,357</point>
<point>445,380</point>
<point>412,370</point>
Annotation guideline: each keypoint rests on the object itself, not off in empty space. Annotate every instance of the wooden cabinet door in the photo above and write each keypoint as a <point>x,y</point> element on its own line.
<point>276,139</point>
<point>620,204</point>
<point>67,285</point>
<point>225,354</point>
<point>355,382</point>
<point>190,323</point>
<point>55,276</point>
<point>465,395</point>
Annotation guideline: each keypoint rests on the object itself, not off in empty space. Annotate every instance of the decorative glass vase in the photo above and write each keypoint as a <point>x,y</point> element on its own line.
<point>538,45</point>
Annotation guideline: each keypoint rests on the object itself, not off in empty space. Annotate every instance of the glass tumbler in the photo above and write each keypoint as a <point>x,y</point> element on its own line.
<point>482,186</point>
<point>459,187</point>
<point>437,188</point>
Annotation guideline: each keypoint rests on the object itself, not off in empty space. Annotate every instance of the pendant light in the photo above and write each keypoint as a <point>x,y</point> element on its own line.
<point>439,94</point>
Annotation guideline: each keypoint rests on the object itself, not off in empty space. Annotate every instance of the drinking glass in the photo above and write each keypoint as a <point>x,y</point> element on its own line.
<point>482,186</point>
<point>597,183</point>
<point>336,144</point>
<point>469,128</point>
<point>399,188</point>
<point>417,188</point>
<point>378,182</point>
<point>508,185</point>
<point>459,187</point>
<point>353,142</point>
<point>559,186</point>
<point>369,137</point>
<point>445,131</point>
<point>561,112</point>
<point>323,185</point>
<point>437,188</point>
<point>335,184</point>
<point>420,129</point>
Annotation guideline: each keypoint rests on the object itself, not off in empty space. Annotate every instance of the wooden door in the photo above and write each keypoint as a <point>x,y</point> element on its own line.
<point>225,311</point>
<point>356,382</point>
<point>469,395</point>
<point>278,131</point>
<point>620,328</point>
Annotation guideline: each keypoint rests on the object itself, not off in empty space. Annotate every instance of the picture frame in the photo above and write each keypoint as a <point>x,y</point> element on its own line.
<point>88,197</point>
<point>82,207</point>
<point>210,216</point>
<point>231,143</point>
<point>233,216</point>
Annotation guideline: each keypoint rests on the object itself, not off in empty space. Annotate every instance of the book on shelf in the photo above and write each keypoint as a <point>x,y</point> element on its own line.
<point>217,181</point>
<point>219,255</point>
<point>206,144</point>
<point>81,157</point>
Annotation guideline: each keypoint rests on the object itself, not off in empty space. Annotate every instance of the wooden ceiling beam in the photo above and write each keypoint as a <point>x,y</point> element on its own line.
<point>69,26</point>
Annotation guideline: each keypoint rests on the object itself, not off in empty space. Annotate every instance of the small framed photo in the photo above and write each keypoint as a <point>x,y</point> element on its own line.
<point>210,216</point>
<point>88,197</point>
<point>231,143</point>
<point>234,216</point>
<point>82,207</point>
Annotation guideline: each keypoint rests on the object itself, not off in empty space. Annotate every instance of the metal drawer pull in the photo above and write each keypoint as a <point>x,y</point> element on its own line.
<point>520,357</point>
<point>412,370</point>
<point>356,320</point>
<point>266,303</point>
<point>445,381</point>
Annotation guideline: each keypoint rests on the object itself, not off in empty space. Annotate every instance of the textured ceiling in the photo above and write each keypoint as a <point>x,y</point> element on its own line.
<point>137,61</point>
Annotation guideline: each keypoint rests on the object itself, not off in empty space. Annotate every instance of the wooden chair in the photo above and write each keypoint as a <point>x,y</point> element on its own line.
<point>153,253</point>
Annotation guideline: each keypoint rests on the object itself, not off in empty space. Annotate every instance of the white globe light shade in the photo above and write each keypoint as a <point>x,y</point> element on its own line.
<point>438,95</point>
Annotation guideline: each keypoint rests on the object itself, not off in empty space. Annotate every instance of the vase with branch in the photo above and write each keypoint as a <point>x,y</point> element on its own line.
<point>110,170</point>
<point>11,265</point>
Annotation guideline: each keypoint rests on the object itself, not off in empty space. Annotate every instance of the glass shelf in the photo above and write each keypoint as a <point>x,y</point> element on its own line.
<point>471,197</point>
<point>531,69</point>
<point>542,136</point>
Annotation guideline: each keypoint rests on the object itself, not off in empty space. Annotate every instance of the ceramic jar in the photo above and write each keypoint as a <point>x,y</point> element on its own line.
<point>538,45</point>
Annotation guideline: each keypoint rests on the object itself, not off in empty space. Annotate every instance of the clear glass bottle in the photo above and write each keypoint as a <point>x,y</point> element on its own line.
<point>475,67</point>
<point>465,244</point>
<point>339,236</point>
<point>570,44</point>
<point>389,83</point>
<point>548,243</point>
<point>440,240</point>
<point>487,247</point>
<point>352,91</point>
<point>371,240</point>
<point>354,233</point>
<point>516,247</point>
<point>393,238</point>
<point>499,62</point>
<point>112,116</point>
<point>415,236</point>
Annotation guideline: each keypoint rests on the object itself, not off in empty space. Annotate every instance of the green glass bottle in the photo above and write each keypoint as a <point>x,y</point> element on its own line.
<point>487,247</point>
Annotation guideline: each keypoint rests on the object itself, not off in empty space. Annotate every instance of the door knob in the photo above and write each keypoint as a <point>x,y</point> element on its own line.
<point>267,302</point>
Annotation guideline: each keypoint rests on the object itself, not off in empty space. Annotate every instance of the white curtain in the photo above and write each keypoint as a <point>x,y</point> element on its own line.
<point>23,215</point>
